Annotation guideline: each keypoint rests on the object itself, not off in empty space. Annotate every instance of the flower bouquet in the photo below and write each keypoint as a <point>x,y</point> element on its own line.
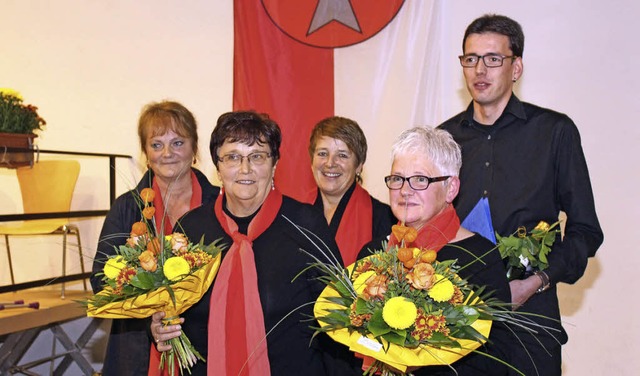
<point>151,273</point>
<point>526,252</point>
<point>403,308</point>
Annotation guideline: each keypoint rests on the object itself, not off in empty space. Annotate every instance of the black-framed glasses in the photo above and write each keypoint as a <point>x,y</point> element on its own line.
<point>257,158</point>
<point>490,60</point>
<point>416,182</point>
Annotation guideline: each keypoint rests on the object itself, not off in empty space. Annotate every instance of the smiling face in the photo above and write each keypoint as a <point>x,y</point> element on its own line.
<point>170,155</point>
<point>491,87</point>
<point>413,207</point>
<point>247,185</point>
<point>334,166</point>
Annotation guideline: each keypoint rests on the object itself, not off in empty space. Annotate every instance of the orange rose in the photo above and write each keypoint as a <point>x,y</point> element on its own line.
<point>148,212</point>
<point>148,261</point>
<point>147,195</point>
<point>154,246</point>
<point>138,228</point>
<point>179,242</point>
<point>421,277</point>
<point>134,240</point>
<point>376,287</point>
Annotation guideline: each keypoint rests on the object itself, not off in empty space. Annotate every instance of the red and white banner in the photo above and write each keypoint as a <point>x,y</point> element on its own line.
<point>303,60</point>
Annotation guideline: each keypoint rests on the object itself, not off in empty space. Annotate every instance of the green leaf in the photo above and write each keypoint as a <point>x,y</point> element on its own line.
<point>143,280</point>
<point>377,326</point>
<point>396,336</point>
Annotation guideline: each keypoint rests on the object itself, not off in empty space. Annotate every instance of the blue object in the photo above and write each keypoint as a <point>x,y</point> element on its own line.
<point>479,220</point>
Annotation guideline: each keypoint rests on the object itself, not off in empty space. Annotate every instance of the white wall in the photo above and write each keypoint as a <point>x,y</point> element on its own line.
<point>90,66</point>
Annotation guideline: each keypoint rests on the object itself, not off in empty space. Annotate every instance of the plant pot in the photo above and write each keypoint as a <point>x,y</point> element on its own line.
<point>16,149</point>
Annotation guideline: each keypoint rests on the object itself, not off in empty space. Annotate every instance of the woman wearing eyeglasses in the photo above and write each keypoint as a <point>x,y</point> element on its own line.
<point>422,186</point>
<point>251,321</point>
<point>338,150</point>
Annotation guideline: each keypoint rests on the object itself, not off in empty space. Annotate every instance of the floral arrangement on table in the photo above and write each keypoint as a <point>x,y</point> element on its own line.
<point>155,272</point>
<point>17,117</point>
<point>403,308</point>
<point>526,252</point>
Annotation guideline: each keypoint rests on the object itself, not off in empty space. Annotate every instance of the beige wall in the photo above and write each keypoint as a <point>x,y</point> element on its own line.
<point>90,66</point>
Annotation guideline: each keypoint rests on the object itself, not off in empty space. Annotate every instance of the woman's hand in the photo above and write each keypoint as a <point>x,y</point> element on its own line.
<point>161,334</point>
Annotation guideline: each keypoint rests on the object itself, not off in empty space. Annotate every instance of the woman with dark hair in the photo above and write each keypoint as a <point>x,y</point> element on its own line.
<point>256,294</point>
<point>169,140</point>
<point>338,150</point>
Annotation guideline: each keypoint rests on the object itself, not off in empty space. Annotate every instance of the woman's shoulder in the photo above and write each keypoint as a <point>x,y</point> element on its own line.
<point>209,191</point>
<point>199,216</point>
<point>300,211</point>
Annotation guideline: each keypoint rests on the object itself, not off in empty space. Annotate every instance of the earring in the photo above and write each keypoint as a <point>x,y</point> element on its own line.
<point>221,188</point>
<point>273,185</point>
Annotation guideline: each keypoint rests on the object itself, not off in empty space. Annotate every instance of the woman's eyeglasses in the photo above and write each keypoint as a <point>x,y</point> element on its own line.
<point>416,182</point>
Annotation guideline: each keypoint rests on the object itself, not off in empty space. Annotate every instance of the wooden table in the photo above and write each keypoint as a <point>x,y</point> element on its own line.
<point>22,326</point>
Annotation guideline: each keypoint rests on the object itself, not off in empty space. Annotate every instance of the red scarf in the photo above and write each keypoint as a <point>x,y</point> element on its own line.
<point>167,228</point>
<point>237,335</point>
<point>159,217</point>
<point>437,232</point>
<point>356,225</point>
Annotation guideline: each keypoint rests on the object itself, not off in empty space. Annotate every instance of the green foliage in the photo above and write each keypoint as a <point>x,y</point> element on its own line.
<point>533,246</point>
<point>16,117</point>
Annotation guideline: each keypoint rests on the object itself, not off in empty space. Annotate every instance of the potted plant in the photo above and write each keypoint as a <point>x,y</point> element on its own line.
<point>18,122</point>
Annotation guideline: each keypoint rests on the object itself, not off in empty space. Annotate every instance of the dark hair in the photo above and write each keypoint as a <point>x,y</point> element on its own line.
<point>157,118</point>
<point>343,129</point>
<point>247,127</point>
<point>494,23</point>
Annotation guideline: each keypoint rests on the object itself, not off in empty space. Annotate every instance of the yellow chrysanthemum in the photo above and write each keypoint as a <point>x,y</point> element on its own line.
<point>175,268</point>
<point>113,266</point>
<point>10,93</point>
<point>442,289</point>
<point>399,312</point>
<point>360,282</point>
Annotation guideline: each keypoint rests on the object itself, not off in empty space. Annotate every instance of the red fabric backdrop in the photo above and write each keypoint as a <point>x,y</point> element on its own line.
<point>290,81</point>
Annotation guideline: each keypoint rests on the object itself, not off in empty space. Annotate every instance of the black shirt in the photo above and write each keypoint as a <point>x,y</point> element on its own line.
<point>530,166</point>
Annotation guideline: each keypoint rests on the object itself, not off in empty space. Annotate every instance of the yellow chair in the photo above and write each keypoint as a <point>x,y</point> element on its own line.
<point>47,187</point>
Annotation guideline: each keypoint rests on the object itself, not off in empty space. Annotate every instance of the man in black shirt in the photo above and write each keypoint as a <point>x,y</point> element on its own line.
<point>528,163</point>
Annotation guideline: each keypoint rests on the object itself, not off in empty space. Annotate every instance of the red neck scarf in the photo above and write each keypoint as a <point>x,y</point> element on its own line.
<point>163,223</point>
<point>237,336</point>
<point>356,225</point>
<point>437,232</point>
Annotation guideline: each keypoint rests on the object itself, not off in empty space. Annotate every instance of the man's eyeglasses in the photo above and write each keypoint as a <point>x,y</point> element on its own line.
<point>490,60</point>
<point>416,182</point>
<point>234,160</point>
